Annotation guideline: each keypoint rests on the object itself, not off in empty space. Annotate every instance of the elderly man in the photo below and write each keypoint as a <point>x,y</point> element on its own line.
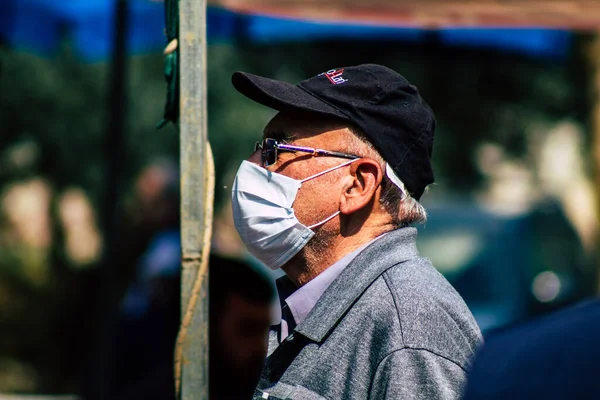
<point>329,195</point>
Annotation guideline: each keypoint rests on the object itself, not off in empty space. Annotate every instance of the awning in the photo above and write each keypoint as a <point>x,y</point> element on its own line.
<point>41,25</point>
<point>433,14</point>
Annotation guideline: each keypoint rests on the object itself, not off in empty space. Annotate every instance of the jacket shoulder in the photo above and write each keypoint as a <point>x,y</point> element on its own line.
<point>432,315</point>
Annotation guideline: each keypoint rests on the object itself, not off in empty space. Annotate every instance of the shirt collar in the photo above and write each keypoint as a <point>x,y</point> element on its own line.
<point>394,248</point>
<point>302,301</point>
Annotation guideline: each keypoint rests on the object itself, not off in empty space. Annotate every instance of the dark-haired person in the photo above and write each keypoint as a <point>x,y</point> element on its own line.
<point>329,195</point>
<point>240,314</point>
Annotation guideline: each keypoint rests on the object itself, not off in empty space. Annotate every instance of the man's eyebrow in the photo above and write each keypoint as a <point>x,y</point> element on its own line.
<point>279,135</point>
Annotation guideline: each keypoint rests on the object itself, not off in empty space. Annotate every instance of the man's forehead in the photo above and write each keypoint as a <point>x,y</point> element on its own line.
<point>298,124</point>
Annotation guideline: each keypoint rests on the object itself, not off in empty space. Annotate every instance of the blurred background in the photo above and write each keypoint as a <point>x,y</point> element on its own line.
<point>513,213</point>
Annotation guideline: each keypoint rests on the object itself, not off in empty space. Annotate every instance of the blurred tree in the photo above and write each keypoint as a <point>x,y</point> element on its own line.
<point>52,115</point>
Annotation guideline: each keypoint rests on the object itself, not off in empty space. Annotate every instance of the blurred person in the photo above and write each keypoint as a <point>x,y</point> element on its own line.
<point>149,312</point>
<point>328,196</point>
<point>149,246</point>
<point>156,203</point>
<point>83,243</point>
<point>554,357</point>
<point>152,208</point>
<point>148,323</point>
<point>240,316</point>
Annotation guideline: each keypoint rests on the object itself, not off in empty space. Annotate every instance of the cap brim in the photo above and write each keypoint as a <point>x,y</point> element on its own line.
<point>280,95</point>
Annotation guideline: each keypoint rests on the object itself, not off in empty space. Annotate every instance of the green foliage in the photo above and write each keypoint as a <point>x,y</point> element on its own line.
<point>476,95</point>
<point>57,108</point>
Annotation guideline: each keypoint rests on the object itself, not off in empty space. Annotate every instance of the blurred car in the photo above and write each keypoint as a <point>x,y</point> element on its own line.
<point>507,268</point>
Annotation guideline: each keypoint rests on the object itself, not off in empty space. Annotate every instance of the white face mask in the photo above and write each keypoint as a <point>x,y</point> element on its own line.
<point>263,215</point>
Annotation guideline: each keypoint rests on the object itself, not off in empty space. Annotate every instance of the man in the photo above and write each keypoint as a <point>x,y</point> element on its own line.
<point>555,357</point>
<point>240,314</point>
<point>328,196</point>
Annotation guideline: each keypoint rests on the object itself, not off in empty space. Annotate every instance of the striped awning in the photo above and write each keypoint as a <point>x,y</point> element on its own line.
<point>562,14</point>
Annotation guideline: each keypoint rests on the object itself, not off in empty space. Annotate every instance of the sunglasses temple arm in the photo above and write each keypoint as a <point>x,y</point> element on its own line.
<point>315,151</point>
<point>335,153</point>
<point>295,148</point>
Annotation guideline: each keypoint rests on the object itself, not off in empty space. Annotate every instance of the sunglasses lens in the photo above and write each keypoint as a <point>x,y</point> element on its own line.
<point>269,152</point>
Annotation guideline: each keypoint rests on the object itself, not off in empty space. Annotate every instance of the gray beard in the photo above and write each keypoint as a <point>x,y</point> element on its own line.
<point>317,249</point>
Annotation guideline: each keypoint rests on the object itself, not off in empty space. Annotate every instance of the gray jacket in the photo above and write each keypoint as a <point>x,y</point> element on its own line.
<point>390,326</point>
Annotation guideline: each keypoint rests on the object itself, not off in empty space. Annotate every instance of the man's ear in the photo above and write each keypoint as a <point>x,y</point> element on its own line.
<point>364,179</point>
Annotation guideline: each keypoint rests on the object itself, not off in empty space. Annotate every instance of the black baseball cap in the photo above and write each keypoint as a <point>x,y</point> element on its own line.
<point>374,98</point>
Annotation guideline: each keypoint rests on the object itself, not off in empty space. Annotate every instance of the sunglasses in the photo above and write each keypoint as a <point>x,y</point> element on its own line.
<point>269,148</point>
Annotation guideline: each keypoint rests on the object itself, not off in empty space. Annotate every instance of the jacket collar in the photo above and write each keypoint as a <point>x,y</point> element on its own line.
<point>393,248</point>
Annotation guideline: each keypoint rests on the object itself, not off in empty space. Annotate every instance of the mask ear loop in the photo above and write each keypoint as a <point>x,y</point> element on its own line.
<point>322,173</point>
<point>329,170</point>
<point>335,214</point>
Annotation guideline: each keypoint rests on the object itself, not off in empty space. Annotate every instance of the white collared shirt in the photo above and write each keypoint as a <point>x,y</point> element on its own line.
<point>302,301</point>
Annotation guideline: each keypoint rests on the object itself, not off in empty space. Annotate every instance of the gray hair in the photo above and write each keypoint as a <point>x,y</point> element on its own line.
<point>402,207</point>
